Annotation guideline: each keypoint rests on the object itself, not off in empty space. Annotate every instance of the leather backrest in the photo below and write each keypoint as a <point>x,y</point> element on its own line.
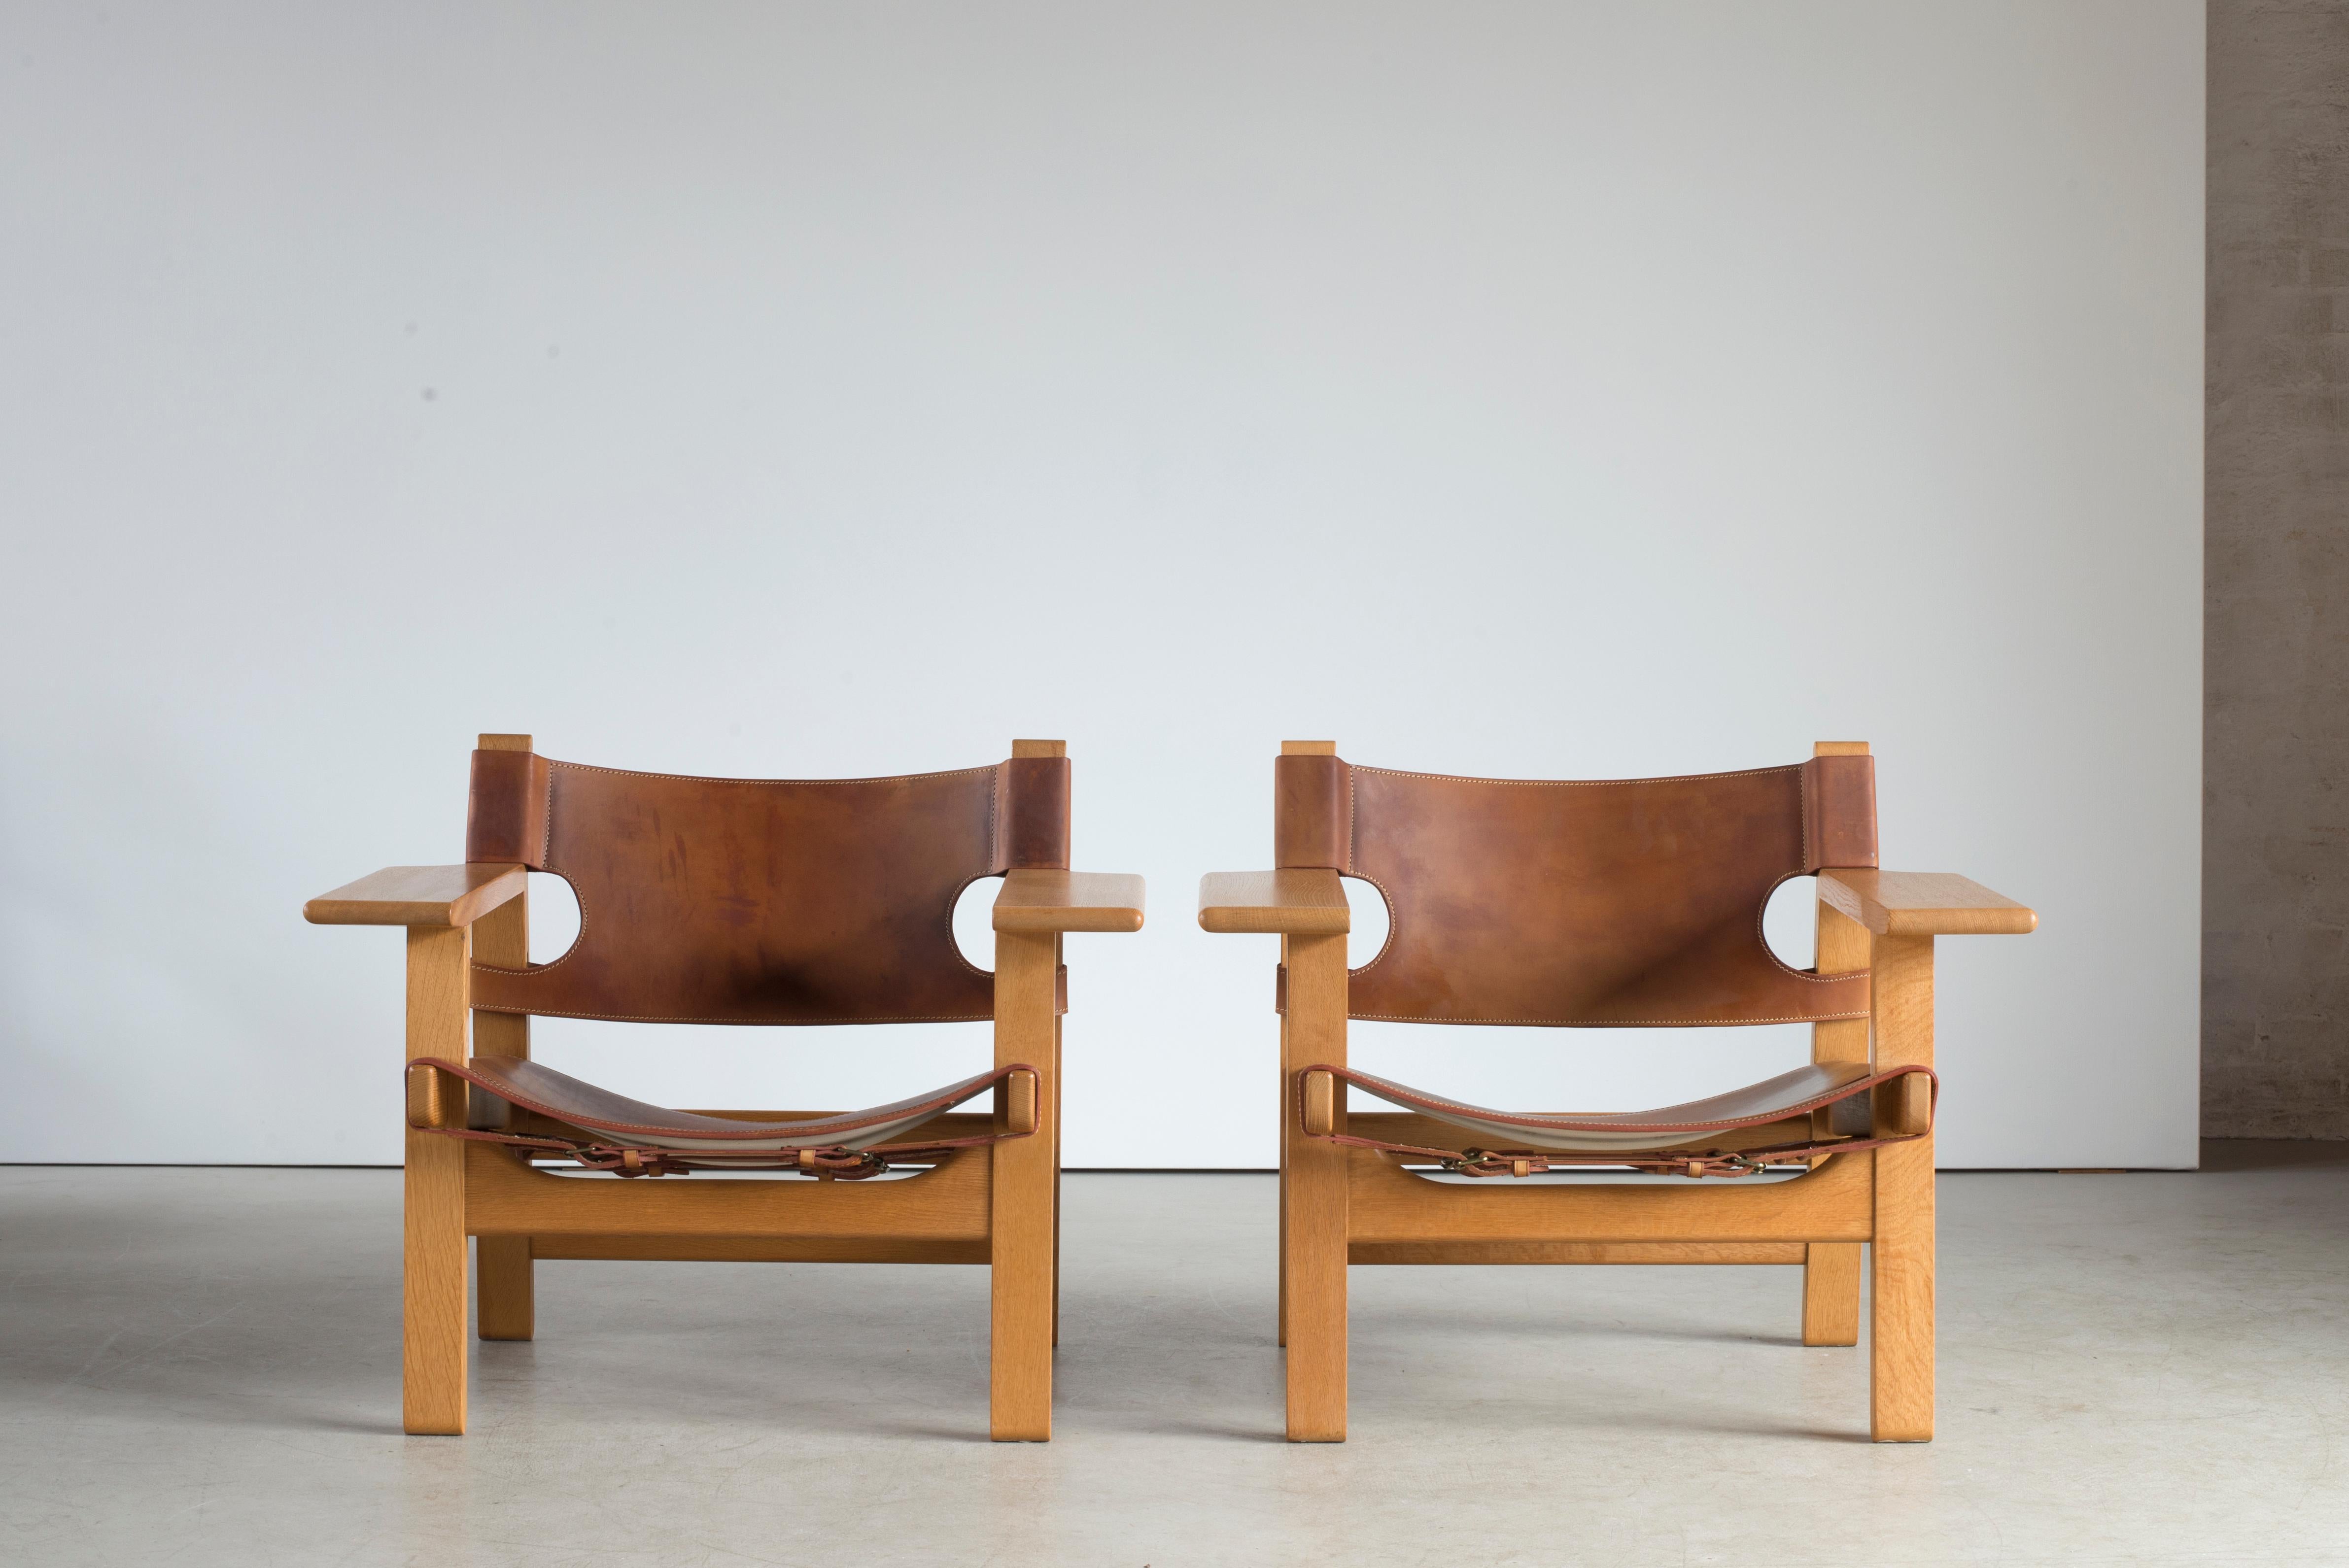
<point>1631,902</point>
<point>755,901</point>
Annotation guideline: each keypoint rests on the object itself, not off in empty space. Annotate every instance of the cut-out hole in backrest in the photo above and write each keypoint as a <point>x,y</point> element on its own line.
<point>1370,921</point>
<point>554,917</point>
<point>974,923</point>
<point>1790,922</point>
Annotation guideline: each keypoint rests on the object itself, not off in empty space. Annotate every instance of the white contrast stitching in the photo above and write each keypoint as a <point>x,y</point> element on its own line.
<point>1802,806</point>
<point>701,778</point>
<point>1599,1121</point>
<point>1349,844</point>
<point>746,1023</point>
<point>1393,921</point>
<point>1762,935</point>
<point>1606,1023</point>
<point>1571,783</point>
<point>951,943</point>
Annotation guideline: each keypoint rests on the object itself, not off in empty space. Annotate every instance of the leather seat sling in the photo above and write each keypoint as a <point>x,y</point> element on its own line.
<point>601,1131</point>
<point>1655,1142</point>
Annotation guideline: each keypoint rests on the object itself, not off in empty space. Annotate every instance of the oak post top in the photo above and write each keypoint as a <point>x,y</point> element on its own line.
<point>1309,748</point>
<point>1039,748</point>
<point>1296,902</point>
<point>1923,904</point>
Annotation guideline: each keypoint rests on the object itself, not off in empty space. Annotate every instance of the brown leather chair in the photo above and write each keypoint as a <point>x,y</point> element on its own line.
<point>1612,903</point>
<point>734,900</point>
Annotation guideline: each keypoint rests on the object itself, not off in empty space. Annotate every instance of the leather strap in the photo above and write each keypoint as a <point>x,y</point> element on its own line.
<point>1313,813</point>
<point>1838,812</point>
<point>828,1163</point>
<point>1694,1163</point>
<point>1031,815</point>
<point>635,1143</point>
<point>1699,1163</point>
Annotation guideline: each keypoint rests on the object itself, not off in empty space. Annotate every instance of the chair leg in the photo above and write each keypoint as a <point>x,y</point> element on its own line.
<point>504,1302</point>
<point>432,1288</point>
<point>1020,1349</point>
<point>503,1305</point>
<point>1314,1198</point>
<point>1288,1136</point>
<point>433,1252</point>
<point>1831,1272</point>
<point>1056,1182</point>
<point>1901,1332</point>
<point>1900,1336</point>
<point>1280,1328</point>
<point>1021,1202</point>
<point>1314,1265</point>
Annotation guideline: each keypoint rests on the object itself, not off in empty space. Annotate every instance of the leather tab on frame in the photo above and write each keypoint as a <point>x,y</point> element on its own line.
<point>1312,820</point>
<point>1031,827</point>
<point>427,1091</point>
<point>1318,1098</point>
<point>505,819</point>
<point>1838,812</point>
<point>1020,1102</point>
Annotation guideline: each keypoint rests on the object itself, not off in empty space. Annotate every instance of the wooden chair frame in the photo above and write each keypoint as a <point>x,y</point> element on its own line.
<point>1341,1205</point>
<point>997,1205</point>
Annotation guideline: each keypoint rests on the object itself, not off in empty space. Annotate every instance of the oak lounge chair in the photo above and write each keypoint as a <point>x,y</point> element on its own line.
<point>730,901</point>
<point>1613,903</point>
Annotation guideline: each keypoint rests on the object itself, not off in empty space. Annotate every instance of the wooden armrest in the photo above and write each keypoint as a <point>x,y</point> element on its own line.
<point>1924,904</point>
<point>1068,900</point>
<point>1293,903</point>
<point>418,895</point>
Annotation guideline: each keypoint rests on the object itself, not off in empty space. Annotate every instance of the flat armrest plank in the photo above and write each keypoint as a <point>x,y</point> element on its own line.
<point>1295,903</point>
<point>1068,900</point>
<point>1924,904</point>
<point>418,895</point>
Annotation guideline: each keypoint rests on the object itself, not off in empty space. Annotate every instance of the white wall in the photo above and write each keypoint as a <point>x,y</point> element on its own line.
<point>1543,390</point>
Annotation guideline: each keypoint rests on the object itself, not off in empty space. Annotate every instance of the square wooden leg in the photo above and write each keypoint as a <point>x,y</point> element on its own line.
<point>1056,1178</point>
<point>1314,1200</point>
<point>433,1252</point>
<point>1900,1331</point>
<point>505,1303</point>
<point>1831,1272</point>
<point>432,1288</point>
<point>1315,1267</point>
<point>1021,1215</point>
<point>1280,1325</point>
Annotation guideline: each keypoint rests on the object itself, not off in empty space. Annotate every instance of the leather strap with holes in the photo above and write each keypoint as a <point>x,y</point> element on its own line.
<point>566,1102</point>
<point>1533,1162</point>
<point>828,1162</point>
<point>1697,1163</point>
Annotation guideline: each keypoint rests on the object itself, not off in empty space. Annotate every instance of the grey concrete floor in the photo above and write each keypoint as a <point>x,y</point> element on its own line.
<point>201,1367</point>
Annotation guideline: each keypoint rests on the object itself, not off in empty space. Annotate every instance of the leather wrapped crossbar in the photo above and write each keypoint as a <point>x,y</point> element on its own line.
<point>630,1138</point>
<point>1658,1142</point>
